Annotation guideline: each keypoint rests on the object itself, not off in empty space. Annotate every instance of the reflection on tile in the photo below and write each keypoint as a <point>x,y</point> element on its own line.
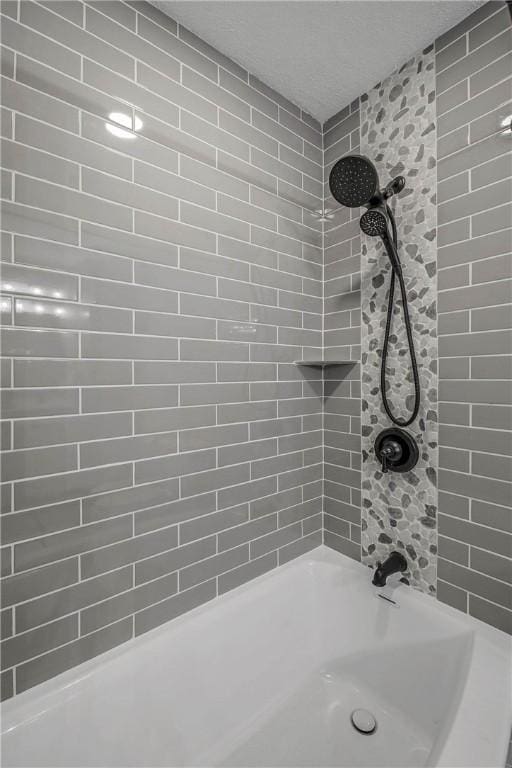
<point>55,314</point>
<point>5,310</point>
<point>142,148</point>
<point>74,148</point>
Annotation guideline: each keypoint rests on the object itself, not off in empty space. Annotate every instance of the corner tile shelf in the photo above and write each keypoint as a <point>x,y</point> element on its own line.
<point>324,363</point>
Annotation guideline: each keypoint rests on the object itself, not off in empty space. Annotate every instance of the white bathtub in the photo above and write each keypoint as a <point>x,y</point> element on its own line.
<point>268,675</point>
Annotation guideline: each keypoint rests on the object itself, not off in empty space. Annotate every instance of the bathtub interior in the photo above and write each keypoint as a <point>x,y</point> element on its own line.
<point>272,682</point>
<point>320,710</point>
<point>410,677</point>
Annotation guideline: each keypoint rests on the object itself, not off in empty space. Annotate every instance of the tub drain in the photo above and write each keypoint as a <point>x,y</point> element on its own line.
<point>363,721</point>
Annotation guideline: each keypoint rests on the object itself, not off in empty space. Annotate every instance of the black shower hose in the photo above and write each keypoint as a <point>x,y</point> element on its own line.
<point>410,340</point>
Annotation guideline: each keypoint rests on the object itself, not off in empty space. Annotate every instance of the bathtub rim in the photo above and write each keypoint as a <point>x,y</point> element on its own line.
<point>463,745</point>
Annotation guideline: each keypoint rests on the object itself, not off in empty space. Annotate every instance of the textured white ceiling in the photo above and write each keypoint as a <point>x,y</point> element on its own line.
<point>320,54</point>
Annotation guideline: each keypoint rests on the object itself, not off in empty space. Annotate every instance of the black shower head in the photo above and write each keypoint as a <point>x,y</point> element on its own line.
<point>354,181</point>
<point>374,223</point>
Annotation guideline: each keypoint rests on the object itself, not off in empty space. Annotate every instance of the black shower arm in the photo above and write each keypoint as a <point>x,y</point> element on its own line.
<point>382,196</point>
<point>394,187</point>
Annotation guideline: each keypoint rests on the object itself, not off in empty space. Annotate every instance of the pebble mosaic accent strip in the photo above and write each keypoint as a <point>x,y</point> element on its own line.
<point>398,132</point>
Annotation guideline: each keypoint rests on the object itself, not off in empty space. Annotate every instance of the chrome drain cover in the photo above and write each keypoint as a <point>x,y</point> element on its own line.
<point>363,721</point>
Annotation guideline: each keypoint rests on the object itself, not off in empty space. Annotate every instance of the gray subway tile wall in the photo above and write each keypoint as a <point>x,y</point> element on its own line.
<point>475,272</point>
<point>159,445</point>
<point>474,303</point>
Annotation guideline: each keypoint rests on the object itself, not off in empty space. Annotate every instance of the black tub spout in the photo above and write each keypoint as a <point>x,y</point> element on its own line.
<point>395,563</point>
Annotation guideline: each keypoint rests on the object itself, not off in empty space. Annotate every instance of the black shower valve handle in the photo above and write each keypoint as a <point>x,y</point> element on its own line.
<point>396,450</point>
<point>390,449</point>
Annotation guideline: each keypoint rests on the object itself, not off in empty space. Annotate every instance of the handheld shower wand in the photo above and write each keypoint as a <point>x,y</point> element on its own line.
<point>375,224</point>
<point>354,182</point>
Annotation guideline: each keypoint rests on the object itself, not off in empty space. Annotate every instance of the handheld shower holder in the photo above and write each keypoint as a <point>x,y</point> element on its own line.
<point>394,187</point>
